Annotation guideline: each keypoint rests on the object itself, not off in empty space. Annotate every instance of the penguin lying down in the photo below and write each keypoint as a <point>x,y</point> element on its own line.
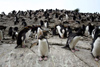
<point>72,40</point>
<point>23,35</point>
<point>95,46</point>
<point>43,48</point>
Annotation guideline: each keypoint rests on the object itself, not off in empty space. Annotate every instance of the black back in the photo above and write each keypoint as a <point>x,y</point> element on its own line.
<point>91,27</point>
<point>22,34</point>
<point>10,32</point>
<point>71,36</point>
<point>96,35</point>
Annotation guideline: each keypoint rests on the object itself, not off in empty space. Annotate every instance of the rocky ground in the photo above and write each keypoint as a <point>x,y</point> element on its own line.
<point>58,57</point>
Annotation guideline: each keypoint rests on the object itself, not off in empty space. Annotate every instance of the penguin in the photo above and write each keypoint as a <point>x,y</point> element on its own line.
<point>15,33</point>
<point>61,31</point>
<point>16,20</point>
<point>95,46</point>
<point>23,35</point>
<point>89,29</point>
<point>41,23</point>
<point>10,32</point>
<point>67,17</point>
<point>39,32</point>
<point>53,30</point>
<point>24,22</point>
<point>94,30</point>
<point>72,40</point>
<point>68,31</point>
<point>86,31</point>
<point>43,48</point>
<point>34,28</point>
<point>46,24</point>
<point>83,28</point>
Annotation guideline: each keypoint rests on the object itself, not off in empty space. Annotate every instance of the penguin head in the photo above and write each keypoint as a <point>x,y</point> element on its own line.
<point>41,37</point>
<point>79,32</point>
<point>28,27</point>
<point>97,31</point>
<point>16,28</point>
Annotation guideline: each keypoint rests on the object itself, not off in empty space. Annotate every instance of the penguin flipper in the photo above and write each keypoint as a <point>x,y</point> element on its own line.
<point>70,38</point>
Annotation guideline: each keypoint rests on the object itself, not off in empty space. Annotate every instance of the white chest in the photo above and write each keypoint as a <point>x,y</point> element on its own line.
<point>87,30</point>
<point>74,41</point>
<point>43,44</point>
<point>97,44</point>
<point>28,34</point>
<point>96,47</point>
<point>43,47</point>
<point>45,24</point>
<point>60,33</point>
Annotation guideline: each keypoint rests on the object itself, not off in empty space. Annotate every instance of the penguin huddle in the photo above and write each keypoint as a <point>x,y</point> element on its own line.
<point>73,38</point>
<point>49,16</point>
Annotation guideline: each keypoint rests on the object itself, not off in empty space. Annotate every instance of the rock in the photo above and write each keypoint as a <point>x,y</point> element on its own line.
<point>58,57</point>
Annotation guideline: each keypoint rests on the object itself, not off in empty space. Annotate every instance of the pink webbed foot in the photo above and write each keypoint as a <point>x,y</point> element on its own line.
<point>99,58</point>
<point>76,50</point>
<point>40,59</point>
<point>23,46</point>
<point>73,50</point>
<point>45,58</point>
<point>96,59</point>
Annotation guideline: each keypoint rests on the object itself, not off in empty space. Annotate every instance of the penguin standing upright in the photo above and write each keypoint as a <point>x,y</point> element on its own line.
<point>68,31</point>
<point>23,35</point>
<point>15,33</point>
<point>10,32</point>
<point>43,48</point>
<point>39,32</point>
<point>54,31</point>
<point>73,38</point>
<point>16,20</point>
<point>41,22</point>
<point>95,46</point>
<point>24,22</point>
<point>83,28</point>
<point>45,24</point>
<point>93,33</point>
<point>67,17</point>
<point>61,31</point>
<point>89,29</point>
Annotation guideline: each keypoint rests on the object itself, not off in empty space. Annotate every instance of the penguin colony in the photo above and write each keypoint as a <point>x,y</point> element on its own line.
<point>62,28</point>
